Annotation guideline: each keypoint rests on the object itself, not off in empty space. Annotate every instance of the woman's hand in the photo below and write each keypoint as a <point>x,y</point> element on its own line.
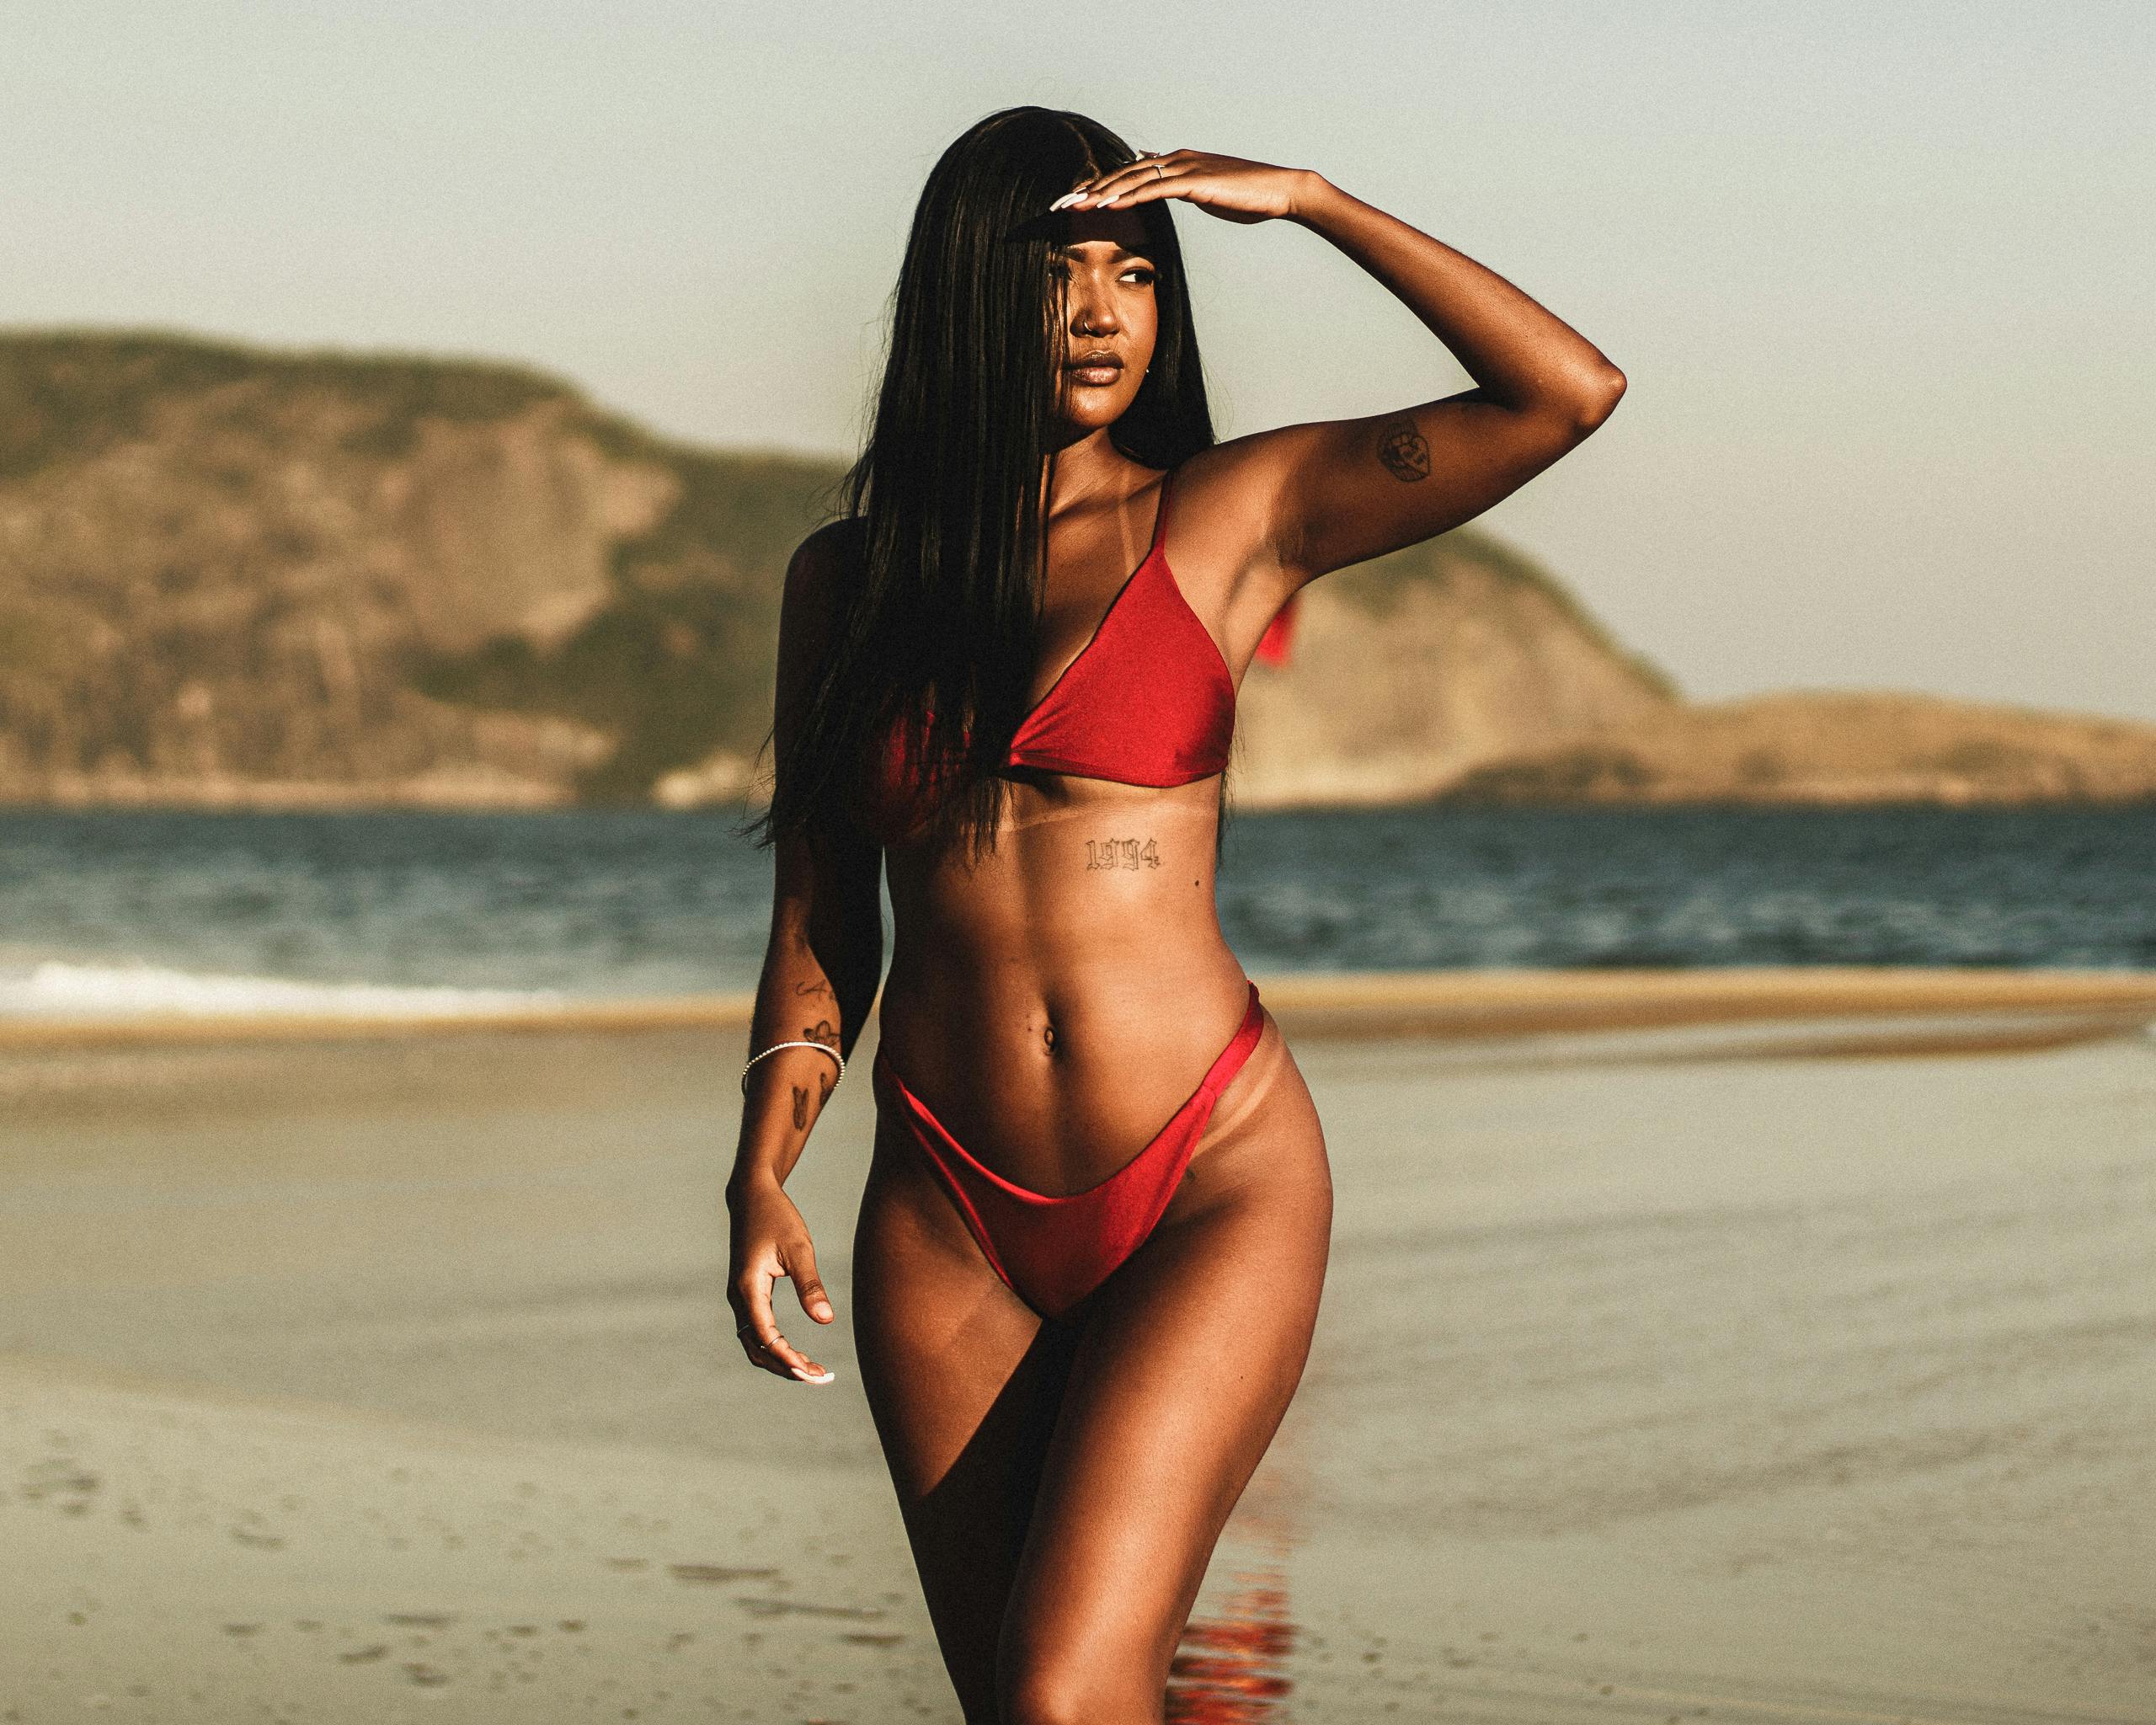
<point>770,1241</point>
<point>1226,186</point>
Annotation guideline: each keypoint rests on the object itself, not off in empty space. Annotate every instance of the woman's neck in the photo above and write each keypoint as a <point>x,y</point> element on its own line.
<point>1086,468</point>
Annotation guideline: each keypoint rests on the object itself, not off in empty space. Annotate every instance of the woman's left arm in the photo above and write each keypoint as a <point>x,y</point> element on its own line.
<point>1337,492</point>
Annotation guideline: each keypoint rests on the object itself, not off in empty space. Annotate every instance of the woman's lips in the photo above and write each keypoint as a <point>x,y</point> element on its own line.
<point>1098,374</point>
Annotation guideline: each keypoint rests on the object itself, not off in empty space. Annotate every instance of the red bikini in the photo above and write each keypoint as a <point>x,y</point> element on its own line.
<point>1053,1251</point>
<point>1148,700</point>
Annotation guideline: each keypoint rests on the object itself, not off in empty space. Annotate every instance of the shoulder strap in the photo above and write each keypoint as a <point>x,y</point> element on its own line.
<point>1160,512</point>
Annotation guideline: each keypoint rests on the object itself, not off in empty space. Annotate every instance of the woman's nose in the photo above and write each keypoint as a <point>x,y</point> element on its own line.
<point>1095,318</point>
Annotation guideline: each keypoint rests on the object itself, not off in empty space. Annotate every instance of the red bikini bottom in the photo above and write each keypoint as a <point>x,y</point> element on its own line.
<point>1053,1251</point>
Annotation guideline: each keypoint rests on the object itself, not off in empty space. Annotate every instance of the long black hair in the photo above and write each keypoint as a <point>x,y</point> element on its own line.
<point>936,629</point>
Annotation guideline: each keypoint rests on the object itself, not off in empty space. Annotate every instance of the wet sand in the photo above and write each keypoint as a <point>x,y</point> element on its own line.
<point>1785,1357</point>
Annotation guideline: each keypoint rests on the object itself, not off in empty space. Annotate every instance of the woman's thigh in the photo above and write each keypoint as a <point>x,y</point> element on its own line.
<point>1188,1360</point>
<point>962,1379</point>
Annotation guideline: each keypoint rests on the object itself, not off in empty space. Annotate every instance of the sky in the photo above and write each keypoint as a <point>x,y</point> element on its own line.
<point>1881,276</point>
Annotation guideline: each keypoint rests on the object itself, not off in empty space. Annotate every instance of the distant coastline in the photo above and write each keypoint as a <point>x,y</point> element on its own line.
<point>243,579</point>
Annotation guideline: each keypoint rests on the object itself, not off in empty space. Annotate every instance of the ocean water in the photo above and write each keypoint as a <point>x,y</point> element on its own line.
<point>116,911</point>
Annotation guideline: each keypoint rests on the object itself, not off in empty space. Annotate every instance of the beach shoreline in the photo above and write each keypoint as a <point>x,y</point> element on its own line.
<point>1675,1362</point>
<point>1421,1003</point>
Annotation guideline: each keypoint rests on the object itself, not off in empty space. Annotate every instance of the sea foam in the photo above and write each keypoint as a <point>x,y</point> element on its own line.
<point>60,988</point>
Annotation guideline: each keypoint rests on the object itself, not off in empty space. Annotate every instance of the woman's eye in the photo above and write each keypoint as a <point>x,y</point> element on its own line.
<point>1144,274</point>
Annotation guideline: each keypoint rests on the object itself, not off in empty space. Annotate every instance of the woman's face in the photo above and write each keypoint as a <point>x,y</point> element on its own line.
<point>1109,318</point>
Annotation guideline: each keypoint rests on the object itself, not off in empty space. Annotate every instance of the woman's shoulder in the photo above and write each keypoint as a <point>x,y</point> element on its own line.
<point>824,569</point>
<point>820,577</point>
<point>830,556</point>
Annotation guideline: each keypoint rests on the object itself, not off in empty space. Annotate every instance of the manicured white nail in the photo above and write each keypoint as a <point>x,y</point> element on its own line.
<point>1066,199</point>
<point>829,1377</point>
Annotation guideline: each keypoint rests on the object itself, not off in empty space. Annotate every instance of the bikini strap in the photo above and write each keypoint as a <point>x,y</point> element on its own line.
<point>1160,513</point>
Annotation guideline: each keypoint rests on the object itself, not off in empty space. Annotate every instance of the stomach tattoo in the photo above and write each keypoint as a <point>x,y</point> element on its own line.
<point>1123,853</point>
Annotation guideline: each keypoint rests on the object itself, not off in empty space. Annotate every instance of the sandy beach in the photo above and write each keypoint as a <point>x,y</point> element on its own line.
<point>1752,1346</point>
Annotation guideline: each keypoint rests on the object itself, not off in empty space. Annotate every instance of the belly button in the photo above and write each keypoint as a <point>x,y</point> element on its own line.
<point>1048,1038</point>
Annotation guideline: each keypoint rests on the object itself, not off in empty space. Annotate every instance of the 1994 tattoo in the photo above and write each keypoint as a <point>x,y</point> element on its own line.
<point>1123,853</point>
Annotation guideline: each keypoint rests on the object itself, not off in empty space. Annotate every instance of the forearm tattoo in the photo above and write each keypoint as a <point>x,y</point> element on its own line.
<point>1123,853</point>
<point>802,1115</point>
<point>1404,453</point>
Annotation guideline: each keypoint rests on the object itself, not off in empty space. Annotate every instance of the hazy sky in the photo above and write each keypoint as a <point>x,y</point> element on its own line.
<point>1881,275</point>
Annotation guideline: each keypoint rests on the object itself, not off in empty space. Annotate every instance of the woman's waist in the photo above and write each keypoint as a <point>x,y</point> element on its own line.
<point>1061,1019</point>
<point>983,982</point>
<point>1055,1078</point>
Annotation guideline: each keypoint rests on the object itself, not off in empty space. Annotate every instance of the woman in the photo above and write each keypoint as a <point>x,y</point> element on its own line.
<point>1008,676</point>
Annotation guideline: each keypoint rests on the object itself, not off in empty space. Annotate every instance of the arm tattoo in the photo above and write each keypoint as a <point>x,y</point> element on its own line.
<point>1123,853</point>
<point>1404,453</point>
<point>800,1110</point>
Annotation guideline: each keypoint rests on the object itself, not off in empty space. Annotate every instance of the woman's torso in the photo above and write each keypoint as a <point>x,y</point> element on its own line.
<point>1056,1001</point>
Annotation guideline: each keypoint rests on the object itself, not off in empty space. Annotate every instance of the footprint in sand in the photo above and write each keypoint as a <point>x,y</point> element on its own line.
<point>718,1572</point>
<point>801,1608</point>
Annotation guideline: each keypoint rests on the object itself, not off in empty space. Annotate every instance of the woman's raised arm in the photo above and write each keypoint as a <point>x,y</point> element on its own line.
<point>1337,492</point>
<point>821,967</point>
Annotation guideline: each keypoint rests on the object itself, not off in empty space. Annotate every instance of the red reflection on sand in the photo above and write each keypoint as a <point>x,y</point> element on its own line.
<point>1229,1669</point>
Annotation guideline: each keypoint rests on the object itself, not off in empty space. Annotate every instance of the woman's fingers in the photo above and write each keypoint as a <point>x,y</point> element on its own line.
<point>1147,170</point>
<point>762,1338</point>
<point>807,1285</point>
<point>1226,186</point>
<point>1144,191</point>
<point>1144,171</point>
<point>769,1349</point>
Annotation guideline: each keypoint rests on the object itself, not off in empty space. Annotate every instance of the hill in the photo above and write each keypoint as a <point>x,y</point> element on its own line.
<point>234,576</point>
<point>1826,747</point>
<point>228,575</point>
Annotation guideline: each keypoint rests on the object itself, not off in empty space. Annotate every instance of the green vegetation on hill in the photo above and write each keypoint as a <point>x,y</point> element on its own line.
<point>678,662</point>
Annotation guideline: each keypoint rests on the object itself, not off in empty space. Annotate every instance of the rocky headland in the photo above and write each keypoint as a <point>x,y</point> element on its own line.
<point>231,576</point>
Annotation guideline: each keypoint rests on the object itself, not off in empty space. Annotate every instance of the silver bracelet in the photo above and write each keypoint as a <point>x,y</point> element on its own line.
<point>777,1046</point>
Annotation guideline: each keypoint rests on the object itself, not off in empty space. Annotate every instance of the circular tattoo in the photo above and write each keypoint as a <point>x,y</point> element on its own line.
<point>1405,455</point>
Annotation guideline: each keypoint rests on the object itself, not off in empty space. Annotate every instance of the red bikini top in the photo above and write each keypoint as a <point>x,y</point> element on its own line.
<point>1148,700</point>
